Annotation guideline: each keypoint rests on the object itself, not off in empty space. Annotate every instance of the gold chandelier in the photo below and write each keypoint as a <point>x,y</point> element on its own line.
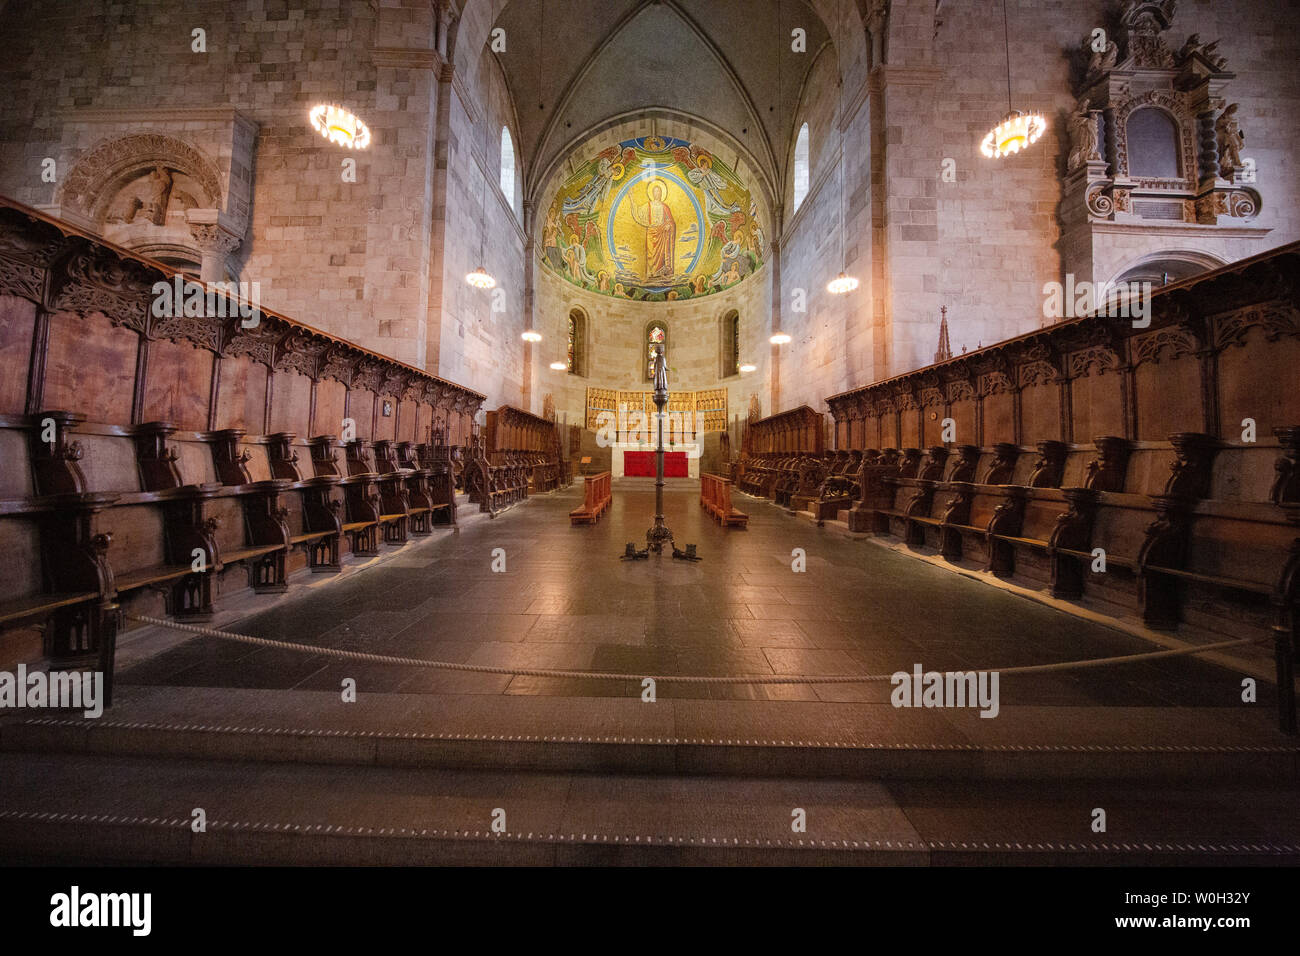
<point>480,279</point>
<point>339,126</point>
<point>1017,130</point>
<point>841,284</point>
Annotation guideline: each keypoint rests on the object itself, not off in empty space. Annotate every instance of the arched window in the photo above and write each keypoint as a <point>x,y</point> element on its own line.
<point>731,344</point>
<point>801,166</point>
<point>1152,144</point>
<point>508,166</point>
<point>656,335</point>
<point>577,340</point>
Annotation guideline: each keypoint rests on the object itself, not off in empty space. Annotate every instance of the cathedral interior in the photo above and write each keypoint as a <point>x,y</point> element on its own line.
<point>650,432</point>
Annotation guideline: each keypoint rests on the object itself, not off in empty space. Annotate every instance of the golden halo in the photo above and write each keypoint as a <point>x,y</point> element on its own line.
<point>704,161</point>
<point>653,144</point>
<point>650,189</point>
<point>617,170</point>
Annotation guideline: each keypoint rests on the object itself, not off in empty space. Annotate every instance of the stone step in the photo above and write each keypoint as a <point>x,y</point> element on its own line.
<point>90,809</point>
<point>617,735</point>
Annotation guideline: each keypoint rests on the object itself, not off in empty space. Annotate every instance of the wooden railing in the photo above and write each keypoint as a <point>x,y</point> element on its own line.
<point>715,497</point>
<point>596,498</point>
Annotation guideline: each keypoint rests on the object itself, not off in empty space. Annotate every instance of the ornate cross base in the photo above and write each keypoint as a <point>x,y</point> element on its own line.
<point>657,535</point>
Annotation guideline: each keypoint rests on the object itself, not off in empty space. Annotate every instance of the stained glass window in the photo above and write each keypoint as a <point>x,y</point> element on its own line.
<point>573,335</point>
<point>735,343</point>
<point>656,335</point>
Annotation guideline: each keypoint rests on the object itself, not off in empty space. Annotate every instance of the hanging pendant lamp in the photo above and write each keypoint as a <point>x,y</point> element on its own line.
<point>1017,130</point>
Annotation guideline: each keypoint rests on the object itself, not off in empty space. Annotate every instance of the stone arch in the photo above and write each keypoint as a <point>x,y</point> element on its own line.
<point>542,182</point>
<point>1173,104</point>
<point>98,175</point>
<point>1178,263</point>
<point>1173,128</point>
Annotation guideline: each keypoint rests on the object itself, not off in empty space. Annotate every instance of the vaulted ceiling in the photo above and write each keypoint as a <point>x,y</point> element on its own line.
<point>574,64</point>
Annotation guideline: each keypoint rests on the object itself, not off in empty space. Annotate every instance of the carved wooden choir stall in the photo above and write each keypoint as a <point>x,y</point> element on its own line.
<point>147,457</point>
<point>515,454</point>
<point>1151,470</point>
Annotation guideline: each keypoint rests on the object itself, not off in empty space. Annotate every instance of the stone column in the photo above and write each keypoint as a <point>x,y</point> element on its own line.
<point>215,243</point>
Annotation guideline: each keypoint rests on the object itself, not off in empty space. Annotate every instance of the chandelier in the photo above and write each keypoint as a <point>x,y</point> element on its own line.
<point>480,279</point>
<point>1017,130</point>
<point>339,126</point>
<point>558,366</point>
<point>780,338</point>
<point>841,284</point>
<point>531,336</point>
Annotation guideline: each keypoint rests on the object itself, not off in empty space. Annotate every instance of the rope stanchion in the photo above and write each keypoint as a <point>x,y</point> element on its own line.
<point>368,658</point>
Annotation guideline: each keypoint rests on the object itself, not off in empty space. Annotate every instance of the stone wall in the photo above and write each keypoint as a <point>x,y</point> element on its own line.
<point>615,348</point>
<point>984,244</point>
<point>357,259</point>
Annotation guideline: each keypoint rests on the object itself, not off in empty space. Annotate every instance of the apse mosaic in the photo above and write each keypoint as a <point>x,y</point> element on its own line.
<point>653,219</point>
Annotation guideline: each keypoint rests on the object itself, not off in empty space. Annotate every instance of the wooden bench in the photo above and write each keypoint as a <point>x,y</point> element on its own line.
<point>715,497</point>
<point>314,523</point>
<point>596,497</point>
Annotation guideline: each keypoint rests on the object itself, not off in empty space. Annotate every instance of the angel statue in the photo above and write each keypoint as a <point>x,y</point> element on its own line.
<point>1231,139</point>
<point>1083,135</point>
<point>1102,60</point>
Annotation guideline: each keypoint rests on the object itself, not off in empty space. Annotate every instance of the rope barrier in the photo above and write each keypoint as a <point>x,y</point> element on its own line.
<point>368,658</point>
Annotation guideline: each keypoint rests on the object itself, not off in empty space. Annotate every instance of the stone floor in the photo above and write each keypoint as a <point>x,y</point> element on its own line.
<point>566,601</point>
<point>588,773</point>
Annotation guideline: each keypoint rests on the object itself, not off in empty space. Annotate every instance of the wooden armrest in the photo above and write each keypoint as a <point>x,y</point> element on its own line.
<point>252,551</point>
<point>1238,584</point>
<point>38,605</point>
<point>1031,542</point>
<point>310,536</point>
<point>143,577</point>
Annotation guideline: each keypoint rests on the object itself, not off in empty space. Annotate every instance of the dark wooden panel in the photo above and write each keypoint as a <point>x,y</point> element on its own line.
<point>963,416</point>
<point>17,320</point>
<point>361,406</point>
<point>1258,381</point>
<point>1098,406</point>
<point>91,367</point>
<point>179,385</point>
<point>291,403</point>
<point>1040,413</point>
<point>406,412</point>
<point>241,400</point>
<point>999,418</point>
<point>1168,398</point>
<point>424,419</point>
<point>330,396</point>
<point>385,425</point>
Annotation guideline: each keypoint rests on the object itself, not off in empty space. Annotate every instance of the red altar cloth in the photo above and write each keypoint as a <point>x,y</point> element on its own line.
<point>641,464</point>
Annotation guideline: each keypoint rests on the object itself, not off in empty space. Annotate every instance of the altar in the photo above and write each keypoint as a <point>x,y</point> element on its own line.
<point>633,459</point>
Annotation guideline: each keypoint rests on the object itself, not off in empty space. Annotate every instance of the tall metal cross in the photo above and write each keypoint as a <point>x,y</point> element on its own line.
<point>657,535</point>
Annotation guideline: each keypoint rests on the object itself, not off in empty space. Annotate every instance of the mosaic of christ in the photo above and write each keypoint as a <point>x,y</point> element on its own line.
<point>653,219</point>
